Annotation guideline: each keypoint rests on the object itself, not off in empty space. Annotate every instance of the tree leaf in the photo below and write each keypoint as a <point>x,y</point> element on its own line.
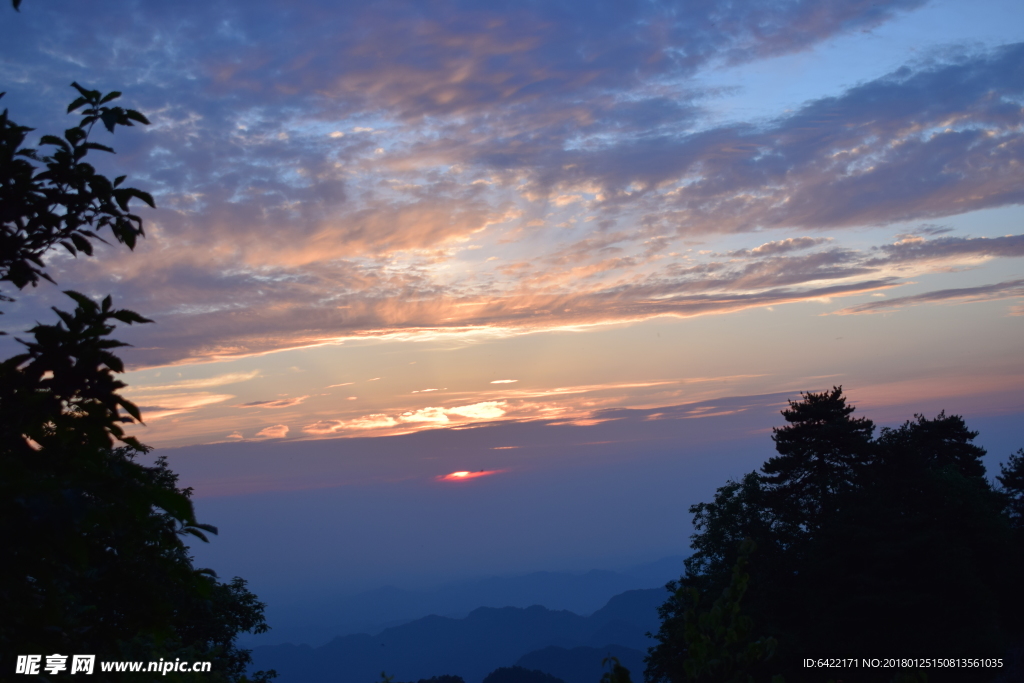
<point>136,116</point>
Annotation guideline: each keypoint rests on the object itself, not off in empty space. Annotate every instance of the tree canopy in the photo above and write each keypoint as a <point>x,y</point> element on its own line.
<point>94,559</point>
<point>58,198</point>
<point>711,642</point>
<point>866,546</point>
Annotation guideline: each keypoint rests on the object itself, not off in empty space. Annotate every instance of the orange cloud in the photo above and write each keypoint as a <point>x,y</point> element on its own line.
<point>274,432</point>
<point>280,403</point>
<point>158,407</point>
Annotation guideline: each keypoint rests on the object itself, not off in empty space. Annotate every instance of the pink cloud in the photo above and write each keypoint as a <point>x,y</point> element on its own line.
<point>274,432</point>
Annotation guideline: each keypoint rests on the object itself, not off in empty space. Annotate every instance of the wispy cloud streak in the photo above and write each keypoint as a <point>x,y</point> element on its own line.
<point>1002,290</point>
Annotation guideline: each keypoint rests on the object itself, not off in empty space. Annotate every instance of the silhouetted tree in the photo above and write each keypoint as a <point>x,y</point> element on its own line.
<point>820,452</point>
<point>1011,477</point>
<point>93,559</point>
<point>616,672</point>
<point>920,445</point>
<point>898,543</point>
<point>781,507</point>
<point>710,643</point>
<point>915,532</point>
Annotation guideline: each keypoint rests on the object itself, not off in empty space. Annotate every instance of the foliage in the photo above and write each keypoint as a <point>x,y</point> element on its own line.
<point>701,643</point>
<point>95,563</point>
<point>739,511</point>
<point>820,452</point>
<point>59,199</point>
<point>94,559</point>
<point>1012,478</point>
<point>616,672</point>
<point>865,546</point>
<point>62,393</point>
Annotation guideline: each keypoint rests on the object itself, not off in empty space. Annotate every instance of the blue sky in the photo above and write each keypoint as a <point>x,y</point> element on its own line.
<point>377,220</point>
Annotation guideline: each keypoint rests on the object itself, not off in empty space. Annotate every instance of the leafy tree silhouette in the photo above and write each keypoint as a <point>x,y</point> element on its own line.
<point>1012,479</point>
<point>616,672</point>
<point>702,643</point>
<point>820,452</point>
<point>93,559</point>
<point>866,547</point>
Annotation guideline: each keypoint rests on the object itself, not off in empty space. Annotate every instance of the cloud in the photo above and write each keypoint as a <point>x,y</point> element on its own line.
<point>420,417</point>
<point>275,432</point>
<point>453,58</point>
<point>159,406</point>
<point>204,383</point>
<point>577,404</point>
<point>304,326</point>
<point>572,287</point>
<point>934,141</point>
<point>401,305</point>
<point>925,230</point>
<point>487,410</point>
<point>432,414</point>
<point>1002,290</point>
<point>368,422</point>
<point>566,141</point>
<point>782,246</point>
<point>463,83</point>
<point>916,249</point>
<point>279,403</point>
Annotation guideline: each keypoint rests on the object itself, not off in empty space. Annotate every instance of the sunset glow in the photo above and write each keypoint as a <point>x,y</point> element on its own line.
<point>463,475</point>
<point>568,241</point>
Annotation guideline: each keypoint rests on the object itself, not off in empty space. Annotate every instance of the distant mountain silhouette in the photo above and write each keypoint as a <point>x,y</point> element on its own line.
<point>487,639</point>
<point>316,622</point>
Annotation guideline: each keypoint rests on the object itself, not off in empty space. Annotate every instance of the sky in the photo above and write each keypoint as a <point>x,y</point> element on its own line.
<point>520,232</point>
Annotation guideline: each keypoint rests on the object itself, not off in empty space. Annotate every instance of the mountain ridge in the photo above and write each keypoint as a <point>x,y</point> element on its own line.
<point>317,620</point>
<point>473,646</point>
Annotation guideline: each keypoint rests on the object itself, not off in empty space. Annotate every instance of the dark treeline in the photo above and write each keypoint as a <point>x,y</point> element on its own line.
<point>848,544</point>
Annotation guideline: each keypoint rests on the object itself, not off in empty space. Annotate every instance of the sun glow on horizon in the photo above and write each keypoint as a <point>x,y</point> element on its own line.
<point>466,474</point>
